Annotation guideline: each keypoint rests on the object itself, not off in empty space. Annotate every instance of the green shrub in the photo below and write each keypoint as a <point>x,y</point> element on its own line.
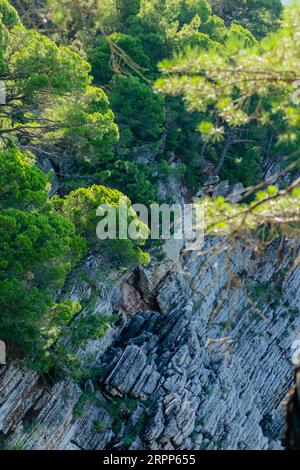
<point>137,107</point>
<point>26,189</point>
<point>100,426</point>
<point>80,207</point>
<point>38,248</point>
<point>134,179</point>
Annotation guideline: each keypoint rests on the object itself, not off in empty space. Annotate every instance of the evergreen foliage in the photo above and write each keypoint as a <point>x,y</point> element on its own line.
<point>79,97</point>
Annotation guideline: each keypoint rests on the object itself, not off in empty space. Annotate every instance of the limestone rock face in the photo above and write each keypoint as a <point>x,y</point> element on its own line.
<point>193,363</point>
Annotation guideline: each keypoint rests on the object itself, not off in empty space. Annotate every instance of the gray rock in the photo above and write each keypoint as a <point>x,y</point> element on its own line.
<point>203,377</point>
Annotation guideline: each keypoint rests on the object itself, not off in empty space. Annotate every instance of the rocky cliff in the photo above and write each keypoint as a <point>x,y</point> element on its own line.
<point>200,358</point>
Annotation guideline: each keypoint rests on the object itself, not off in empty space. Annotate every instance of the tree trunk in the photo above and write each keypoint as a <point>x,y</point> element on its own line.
<point>223,156</point>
